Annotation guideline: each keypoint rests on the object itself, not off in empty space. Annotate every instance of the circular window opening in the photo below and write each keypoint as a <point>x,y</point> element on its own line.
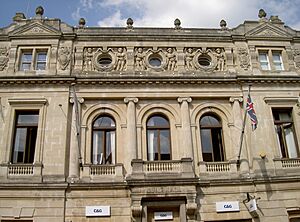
<point>155,61</point>
<point>104,60</point>
<point>204,60</point>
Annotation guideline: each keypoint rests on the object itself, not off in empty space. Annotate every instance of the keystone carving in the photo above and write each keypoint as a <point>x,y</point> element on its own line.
<point>64,57</point>
<point>3,58</point>
<point>244,58</point>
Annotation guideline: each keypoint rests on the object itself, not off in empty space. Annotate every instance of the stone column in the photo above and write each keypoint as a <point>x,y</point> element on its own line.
<point>186,134</point>
<point>131,135</point>
<point>238,125</point>
<point>74,140</point>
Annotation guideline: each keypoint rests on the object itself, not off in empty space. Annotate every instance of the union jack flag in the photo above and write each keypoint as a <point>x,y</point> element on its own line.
<point>251,113</point>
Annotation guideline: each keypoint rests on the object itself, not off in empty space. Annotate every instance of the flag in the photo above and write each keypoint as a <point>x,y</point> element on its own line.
<point>251,112</point>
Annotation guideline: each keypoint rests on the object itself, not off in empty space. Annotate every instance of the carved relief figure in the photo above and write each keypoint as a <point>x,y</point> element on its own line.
<point>140,59</point>
<point>64,56</point>
<point>244,58</point>
<point>189,56</point>
<point>88,57</point>
<point>297,58</point>
<point>121,59</point>
<point>171,59</point>
<point>220,55</point>
<point>3,58</point>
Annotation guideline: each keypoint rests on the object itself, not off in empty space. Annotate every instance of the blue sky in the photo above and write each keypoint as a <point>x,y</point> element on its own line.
<point>154,13</point>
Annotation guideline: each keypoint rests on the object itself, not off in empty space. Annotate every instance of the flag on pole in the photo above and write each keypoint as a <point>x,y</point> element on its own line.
<point>251,112</point>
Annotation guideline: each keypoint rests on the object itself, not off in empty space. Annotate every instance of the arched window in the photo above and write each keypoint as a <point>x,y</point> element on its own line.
<point>211,138</point>
<point>158,138</point>
<point>104,140</point>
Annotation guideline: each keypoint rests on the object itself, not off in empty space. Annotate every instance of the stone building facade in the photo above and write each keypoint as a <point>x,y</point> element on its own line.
<point>145,124</point>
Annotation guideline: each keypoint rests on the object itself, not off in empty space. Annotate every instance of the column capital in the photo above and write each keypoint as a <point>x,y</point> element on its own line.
<point>79,99</point>
<point>131,99</point>
<point>236,98</point>
<point>182,99</point>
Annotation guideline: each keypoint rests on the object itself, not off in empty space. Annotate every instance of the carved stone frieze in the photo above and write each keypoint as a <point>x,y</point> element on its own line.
<point>296,54</point>
<point>139,59</point>
<point>3,58</point>
<point>98,59</point>
<point>244,58</point>
<point>64,57</point>
<point>205,59</point>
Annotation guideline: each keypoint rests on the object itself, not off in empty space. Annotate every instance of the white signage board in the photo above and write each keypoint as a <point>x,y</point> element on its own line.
<point>252,205</point>
<point>97,211</point>
<point>228,206</point>
<point>168,215</point>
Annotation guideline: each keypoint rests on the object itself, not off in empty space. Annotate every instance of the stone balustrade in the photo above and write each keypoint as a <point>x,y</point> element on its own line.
<point>218,169</point>
<point>24,172</point>
<point>285,166</point>
<point>168,168</point>
<point>103,173</point>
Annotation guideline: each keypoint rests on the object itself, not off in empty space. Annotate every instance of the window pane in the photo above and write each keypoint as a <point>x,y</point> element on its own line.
<point>28,119</point>
<point>108,154</point>
<point>152,137</point>
<point>165,145</point>
<point>157,121</point>
<point>41,56</point>
<point>264,61</point>
<point>41,66</point>
<point>209,121</point>
<point>290,142</point>
<point>19,146</point>
<point>98,148</point>
<point>206,141</point>
<point>104,122</point>
<point>26,57</point>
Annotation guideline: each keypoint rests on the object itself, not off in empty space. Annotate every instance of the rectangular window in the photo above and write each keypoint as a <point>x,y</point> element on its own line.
<point>270,60</point>
<point>41,60</point>
<point>277,61</point>
<point>285,133</point>
<point>26,60</point>
<point>26,127</point>
<point>33,59</point>
<point>264,61</point>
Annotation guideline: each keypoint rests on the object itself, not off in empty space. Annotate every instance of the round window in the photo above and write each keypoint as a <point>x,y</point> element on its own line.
<point>155,61</point>
<point>204,60</point>
<point>104,60</point>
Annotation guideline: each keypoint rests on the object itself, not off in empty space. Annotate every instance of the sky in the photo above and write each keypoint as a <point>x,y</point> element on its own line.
<point>154,13</point>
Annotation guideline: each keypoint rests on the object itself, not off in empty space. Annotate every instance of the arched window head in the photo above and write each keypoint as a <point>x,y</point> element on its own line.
<point>211,138</point>
<point>158,138</point>
<point>104,140</point>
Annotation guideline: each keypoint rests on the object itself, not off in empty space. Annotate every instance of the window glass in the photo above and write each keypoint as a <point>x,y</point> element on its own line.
<point>277,61</point>
<point>285,133</point>
<point>104,141</point>
<point>25,137</point>
<point>26,60</point>
<point>264,61</point>
<point>158,138</point>
<point>41,60</point>
<point>211,139</point>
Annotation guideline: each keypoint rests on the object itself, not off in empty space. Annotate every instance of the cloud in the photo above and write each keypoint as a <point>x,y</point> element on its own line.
<point>76,14</point>
<point>192,13</point>
<point>113,21</point>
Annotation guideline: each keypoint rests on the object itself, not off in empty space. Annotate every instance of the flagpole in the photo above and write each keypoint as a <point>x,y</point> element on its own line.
<point>243,132</point>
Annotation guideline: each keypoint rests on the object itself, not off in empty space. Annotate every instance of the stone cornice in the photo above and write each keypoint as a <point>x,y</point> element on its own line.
<point>165,80</point>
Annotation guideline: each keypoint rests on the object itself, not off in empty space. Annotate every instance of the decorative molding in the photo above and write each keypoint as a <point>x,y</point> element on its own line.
<point>131,99</point>
<point>27,101</point>
<point>281,100</point>
<point>182,99</point>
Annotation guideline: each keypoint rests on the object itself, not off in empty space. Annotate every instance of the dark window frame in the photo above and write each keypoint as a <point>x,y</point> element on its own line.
<point>104,130</point>
<point>282,124</point>
<point>31,134</point>
<point>158,129</point>
<point>216,134</point>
